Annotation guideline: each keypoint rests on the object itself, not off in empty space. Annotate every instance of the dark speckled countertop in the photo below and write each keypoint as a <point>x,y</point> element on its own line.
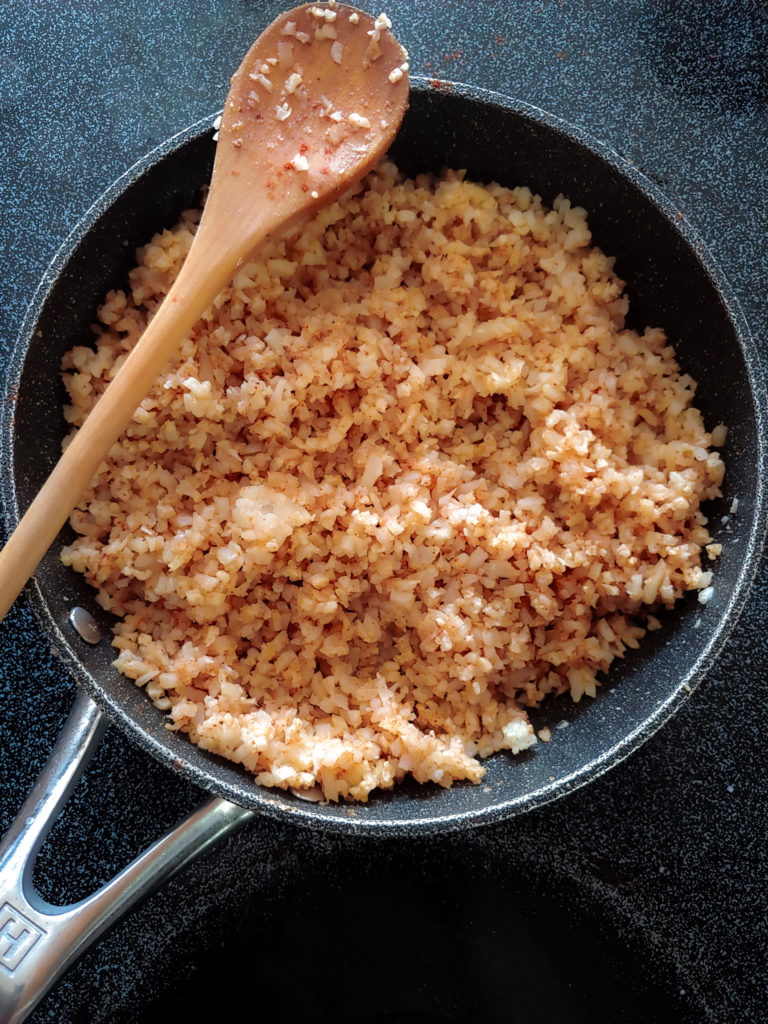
<point>642,897</point>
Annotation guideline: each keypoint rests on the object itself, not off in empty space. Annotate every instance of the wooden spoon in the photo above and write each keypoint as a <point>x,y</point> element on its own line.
<point>314,105</point>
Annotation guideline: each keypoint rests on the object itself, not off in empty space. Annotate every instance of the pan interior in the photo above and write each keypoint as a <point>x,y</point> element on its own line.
<point>671,283</point>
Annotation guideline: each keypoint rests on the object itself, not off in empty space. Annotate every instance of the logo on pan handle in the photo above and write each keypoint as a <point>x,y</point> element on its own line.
<point>17,936</point>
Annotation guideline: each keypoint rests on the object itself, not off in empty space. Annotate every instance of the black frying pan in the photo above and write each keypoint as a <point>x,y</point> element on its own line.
<point>672,282</point>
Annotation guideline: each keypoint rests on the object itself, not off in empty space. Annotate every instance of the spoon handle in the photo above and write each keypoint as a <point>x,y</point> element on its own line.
<point>198,283</point>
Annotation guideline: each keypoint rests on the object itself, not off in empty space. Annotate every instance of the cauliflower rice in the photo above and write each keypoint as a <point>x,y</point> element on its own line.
<point>409,474</point>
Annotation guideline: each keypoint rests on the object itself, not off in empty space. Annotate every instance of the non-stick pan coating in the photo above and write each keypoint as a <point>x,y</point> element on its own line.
<point>671,282</point>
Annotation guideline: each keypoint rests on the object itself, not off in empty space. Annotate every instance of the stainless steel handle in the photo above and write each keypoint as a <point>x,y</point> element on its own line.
<point>39,941</point>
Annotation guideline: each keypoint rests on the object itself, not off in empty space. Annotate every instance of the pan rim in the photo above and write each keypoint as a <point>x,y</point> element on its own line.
<point>351,818</point>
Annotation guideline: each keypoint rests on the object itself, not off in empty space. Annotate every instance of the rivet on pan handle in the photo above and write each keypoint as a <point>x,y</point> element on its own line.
<point>39,941</point>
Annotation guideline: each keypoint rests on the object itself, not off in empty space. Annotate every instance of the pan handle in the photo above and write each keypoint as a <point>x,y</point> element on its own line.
<point>39,941</point>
